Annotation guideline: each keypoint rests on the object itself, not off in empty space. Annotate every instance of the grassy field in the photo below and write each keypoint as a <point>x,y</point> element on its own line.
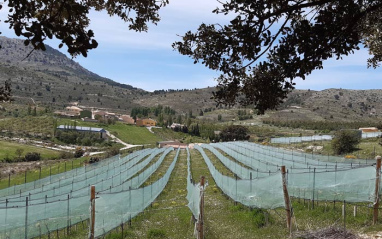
<point>8,150</point>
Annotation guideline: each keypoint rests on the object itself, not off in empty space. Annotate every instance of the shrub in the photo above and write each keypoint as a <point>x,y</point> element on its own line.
<point>112,151</point>
<point>345,141</point>
<point>32,156</point>
<point>93,160</point>
<point>79,152</point>
<point>66,155</point>
<point>234,132</point>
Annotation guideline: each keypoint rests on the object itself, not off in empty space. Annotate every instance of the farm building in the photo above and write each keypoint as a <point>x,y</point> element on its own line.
<point>73,110</point>
<point>127,119</point>
<point>145,122</point>
<point>369,129</point>
<point>100,131</point>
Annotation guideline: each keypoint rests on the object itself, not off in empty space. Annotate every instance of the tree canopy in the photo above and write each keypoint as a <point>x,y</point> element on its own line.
<point>68,20</point>
<point>268,44</point>
<point>5,92</point>
<point>234,132</point>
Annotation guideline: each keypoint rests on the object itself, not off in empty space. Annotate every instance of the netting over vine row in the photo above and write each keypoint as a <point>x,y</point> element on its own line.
<point>104,177</point>
<point>261,193</point>
<point>307,177</point>
<point>22,217</point>
<point>113,209</point>
<point>193,191</point>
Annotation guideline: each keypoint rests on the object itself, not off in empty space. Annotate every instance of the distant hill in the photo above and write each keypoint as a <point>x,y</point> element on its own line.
<point>49,78</point>
<point>332,104</point>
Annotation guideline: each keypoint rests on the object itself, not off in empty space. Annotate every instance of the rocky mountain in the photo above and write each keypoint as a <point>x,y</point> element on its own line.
<point>49,78</point>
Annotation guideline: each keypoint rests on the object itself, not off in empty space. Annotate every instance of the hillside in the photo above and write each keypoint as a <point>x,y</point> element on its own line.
<point>51,79</point>
<point>332,104</point>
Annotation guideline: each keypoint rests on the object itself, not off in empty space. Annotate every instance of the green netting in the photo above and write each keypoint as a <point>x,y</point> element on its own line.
<point>289,140</point>
<point>308,177</point>
<point>105,178</point>
<point>193,191</point>
<point>24,218</point>
<point>241,172</point>
<point>113,209</point>
<point>260,193</point>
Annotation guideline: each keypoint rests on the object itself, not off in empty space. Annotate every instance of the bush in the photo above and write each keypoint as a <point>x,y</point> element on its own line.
<point>345,141</point>
<point>234,132</point>
<point>79,152</point>
<point>93,160</point>
<point>66,155</point>
<point>32,156</point>
<point>112,151</point>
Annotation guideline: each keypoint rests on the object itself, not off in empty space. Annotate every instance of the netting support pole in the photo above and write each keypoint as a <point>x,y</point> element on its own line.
<point>68,218</point>
<point>26,218</point>
<point>314,185</point>
<point>376,194</point>
<point>201,207</point>
<point>92,214</point>
<point>286,198</point>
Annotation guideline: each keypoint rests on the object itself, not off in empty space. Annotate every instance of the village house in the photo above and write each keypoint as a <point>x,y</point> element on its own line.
<point>145,122</point>
<point>127,119</point>
<point>98,114</point>
<point>70,111</point>
<point>73,110</point>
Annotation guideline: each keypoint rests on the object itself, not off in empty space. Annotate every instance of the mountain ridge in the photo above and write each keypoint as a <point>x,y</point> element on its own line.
<point>52,79</point>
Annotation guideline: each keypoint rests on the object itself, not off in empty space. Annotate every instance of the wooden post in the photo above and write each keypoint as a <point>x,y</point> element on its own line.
<point>286,198</point>
<point>201,207</point>
<point>9,180</point>
<point>377,185</point>
<point>92,214</point>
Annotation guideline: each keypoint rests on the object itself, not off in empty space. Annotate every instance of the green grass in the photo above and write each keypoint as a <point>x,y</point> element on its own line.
<point>132,134</point>
<point>8,150</point>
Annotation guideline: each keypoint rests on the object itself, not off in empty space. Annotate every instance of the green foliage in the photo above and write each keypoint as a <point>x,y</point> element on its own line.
<point>290,52</point>
<point>345,141</point>
<point>72,27</point>
<point>5,91</point>
<point>79,138</point>
<point>154,111</point>
<point>234,132</point>
<point>112,151</point>
<point>86,113</point>
<point>78,152</point>
<point>32,156</point>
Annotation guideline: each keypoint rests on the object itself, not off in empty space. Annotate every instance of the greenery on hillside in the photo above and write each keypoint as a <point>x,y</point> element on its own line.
<point>10,151</point>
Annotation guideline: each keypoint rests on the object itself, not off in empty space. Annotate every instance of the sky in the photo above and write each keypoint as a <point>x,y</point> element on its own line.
<point>147,60</point>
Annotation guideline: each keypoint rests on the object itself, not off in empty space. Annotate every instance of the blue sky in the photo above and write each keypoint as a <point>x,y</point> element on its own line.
<point>147,60</point>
